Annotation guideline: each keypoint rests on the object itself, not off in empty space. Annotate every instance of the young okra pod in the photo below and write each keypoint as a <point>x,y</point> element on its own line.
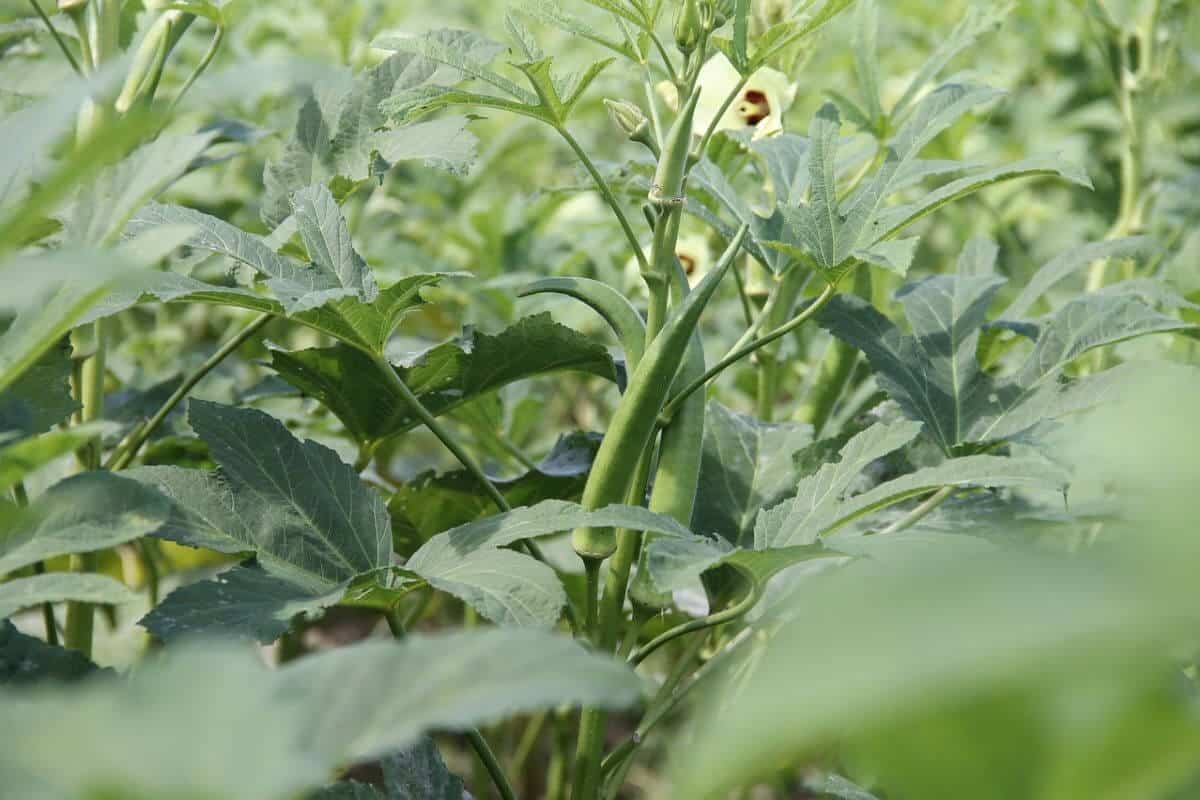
<point>671,175</point>
<point>633,423</point>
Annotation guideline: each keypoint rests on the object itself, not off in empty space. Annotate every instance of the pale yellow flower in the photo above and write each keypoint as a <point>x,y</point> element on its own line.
<point>760,106</point>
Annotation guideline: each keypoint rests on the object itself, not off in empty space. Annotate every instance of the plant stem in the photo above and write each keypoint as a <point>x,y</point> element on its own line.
<point>446,438</point>
<point>919,513</point>
<point>437,429</point>
<point>491,764</point>
<point>209,54</point>
<point>741,352</point>
<point>591,568</point>
<point>78,630</point>
<point>662,51</point>
<point>478,743</point>
<point>66,51</point>
<point>606,192</point>
<point>712,620</point>
<point>665,699</point>
<point>529,739</point>
<point>129,450</point>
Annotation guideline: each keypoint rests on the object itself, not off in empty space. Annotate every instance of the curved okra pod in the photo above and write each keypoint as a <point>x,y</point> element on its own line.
<point>634,421</point>
<point>606,301</point>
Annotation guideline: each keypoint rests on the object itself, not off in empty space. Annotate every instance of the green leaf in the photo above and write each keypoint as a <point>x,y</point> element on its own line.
<point>779,37</point>
<point>509,588</point>
<point>243,732</point>
<point>311,524</point>
<point>786,160</point>
<point>298,287</point>
<point>891,220</point>
<point>678,563</point>
<point>866,59</point>
<point>1062,266</point>
<point>819,496</point>
<point>327,238</point>
<point>837,233</point>
<point>1089,322</point>
<point>342,133</point>
<point>56,587</point>
<point>229,735</point>
<point>25,660</point>
<point>41,397</point>
<point>979,20</point>
<point>465,53</point>
<point>1007,647</point>
<point>741,27</point>
<point>895,255</point>
<point>350,385</point>
<point>747,465</point>
<point>543,519</point>
<point>932,374</point>
<point>417,773</point>
<point>431,503</point>
<point>979,470</point>
<point>362,325</point>
<point>110,199</point>
<point>21,458</point>
<point>246,601</point>
<point>449,681</point>
<point>87,512</point>
<point>551,13</point>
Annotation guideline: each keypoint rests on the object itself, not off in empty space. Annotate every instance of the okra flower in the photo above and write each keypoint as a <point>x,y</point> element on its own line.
<point>759,106</point>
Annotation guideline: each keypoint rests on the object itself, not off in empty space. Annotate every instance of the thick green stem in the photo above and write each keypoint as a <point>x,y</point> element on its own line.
<point>77,632</point>
<point>662,264</point>
<point>129,450</point>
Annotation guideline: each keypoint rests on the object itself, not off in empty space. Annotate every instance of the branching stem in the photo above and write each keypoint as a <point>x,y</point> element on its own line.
<point>738,353</point>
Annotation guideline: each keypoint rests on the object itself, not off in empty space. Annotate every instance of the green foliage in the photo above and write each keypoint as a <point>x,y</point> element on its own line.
<point>248,732</point>
<point>900,472</point>
<point>26,660</point>
<point>443,377</point>
<point>311,532</point>
<point>414,774</point>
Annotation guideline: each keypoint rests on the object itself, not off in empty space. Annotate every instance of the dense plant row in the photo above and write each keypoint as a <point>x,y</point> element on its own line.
<point>598,428</point>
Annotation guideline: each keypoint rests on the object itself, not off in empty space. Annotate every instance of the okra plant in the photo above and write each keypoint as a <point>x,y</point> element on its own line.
<point>861,470</point>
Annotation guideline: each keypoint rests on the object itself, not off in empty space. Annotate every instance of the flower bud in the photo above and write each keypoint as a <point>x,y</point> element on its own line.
<point>689,26</point>
<point>627,116</point>
<point>71,6</point>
